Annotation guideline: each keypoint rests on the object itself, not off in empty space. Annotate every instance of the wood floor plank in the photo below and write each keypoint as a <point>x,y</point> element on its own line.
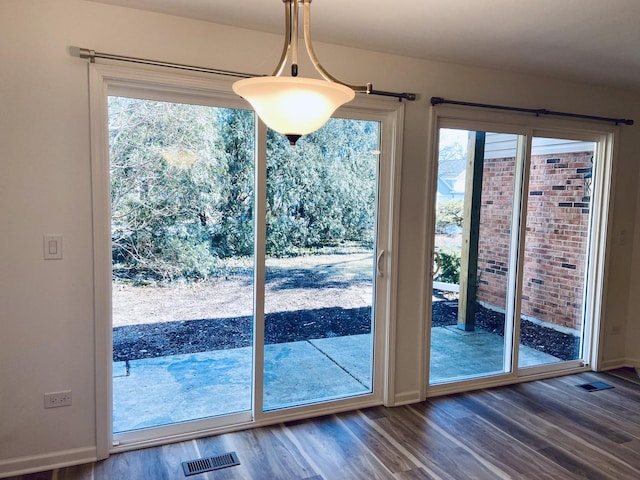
<point>135,463</point>
<point>621,401</point>
<point>501,441</point>
<point>627,450</point>
<point>508,425</point>
<point>428,464</point>
<point>547,429</point>
<point>78,472</point>
<point>336,450</point>
<point>604,454</point>
<point>373,412</point>
<point>577,466</point>
<point>378,445</point>
<point>433,447</point>
<point>263,453</point>
<point>159,463</point>
<point>570,408</point>
<point>573,412</point>
<point>450,406</point>
<point>418,474</point>
<point>568,427</point>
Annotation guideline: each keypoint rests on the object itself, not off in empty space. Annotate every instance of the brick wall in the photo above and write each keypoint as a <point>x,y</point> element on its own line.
<point>556,243</point>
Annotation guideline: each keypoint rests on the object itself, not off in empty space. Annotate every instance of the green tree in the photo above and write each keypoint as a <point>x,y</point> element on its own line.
<point>182,187</point>
<point>448,214</point>
<point>232,235</point>
<point>162,159</point>
<point>322,191</point>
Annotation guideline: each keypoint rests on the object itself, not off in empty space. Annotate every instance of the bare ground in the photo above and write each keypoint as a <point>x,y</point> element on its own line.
<point>306,297</point>
<point>292,284</point>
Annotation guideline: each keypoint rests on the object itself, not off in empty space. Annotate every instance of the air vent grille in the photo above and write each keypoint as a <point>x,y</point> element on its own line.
<point>595,386</point>
<point>202,465</point>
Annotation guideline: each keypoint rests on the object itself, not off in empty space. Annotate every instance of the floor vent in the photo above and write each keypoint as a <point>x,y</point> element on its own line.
<point>202,465</point>
<point>595,386</point>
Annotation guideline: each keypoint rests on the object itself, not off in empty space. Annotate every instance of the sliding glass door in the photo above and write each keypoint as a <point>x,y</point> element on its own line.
<point>514,235</point>
<point>182,233</point>
<point>320,268</point>
<point>556,249</point>
<point>240,277</point>
<point>473,241</point>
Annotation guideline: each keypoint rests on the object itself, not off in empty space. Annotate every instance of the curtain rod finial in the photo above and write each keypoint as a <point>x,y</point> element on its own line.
<point>82,52</point>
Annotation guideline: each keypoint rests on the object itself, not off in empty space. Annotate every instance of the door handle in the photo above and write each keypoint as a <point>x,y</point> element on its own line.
<point>378,263</point>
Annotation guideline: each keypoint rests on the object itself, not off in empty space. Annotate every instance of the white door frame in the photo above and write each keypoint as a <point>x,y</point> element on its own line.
<point>105,80</point>
<point>599,242</point>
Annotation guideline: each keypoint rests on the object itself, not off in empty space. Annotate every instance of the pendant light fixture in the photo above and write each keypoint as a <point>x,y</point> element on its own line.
<point>296,106</point>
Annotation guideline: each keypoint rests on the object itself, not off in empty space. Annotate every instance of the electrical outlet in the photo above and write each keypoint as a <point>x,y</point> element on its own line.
<point>57,399</point>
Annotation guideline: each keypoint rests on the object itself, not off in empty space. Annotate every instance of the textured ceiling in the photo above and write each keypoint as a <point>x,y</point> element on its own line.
<point>595,41</point>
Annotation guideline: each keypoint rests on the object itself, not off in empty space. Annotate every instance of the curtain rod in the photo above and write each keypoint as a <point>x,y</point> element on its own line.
<point>92,55</point>
<point>537,112</point>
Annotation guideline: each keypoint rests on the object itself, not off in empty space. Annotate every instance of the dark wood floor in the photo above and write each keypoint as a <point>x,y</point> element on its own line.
<point>549,429</point>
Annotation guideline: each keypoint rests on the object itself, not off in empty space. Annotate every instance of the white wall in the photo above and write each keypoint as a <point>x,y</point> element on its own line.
<point>46,339</point>
<point>632,333</point>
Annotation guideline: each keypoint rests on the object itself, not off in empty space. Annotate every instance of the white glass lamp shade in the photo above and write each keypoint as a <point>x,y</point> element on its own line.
<point>293,106</point>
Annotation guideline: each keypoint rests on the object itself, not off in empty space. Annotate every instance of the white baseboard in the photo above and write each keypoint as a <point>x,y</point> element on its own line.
<point>633,363</point>
<point>49,461</point>
<point>615,363</point>
<point>406,398</point>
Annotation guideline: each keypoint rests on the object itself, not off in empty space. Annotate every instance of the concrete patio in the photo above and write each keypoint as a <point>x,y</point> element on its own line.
<point>164,390</point>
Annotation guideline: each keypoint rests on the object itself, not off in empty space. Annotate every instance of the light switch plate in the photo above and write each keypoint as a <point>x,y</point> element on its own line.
<point>52,247</point>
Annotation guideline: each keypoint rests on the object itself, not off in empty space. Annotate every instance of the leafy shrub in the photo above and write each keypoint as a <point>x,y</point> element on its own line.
<point>449,266</point>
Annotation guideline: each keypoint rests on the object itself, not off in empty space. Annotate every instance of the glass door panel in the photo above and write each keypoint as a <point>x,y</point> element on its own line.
<point>182,228</point>
<point>511,240</point>
<point>477,174</point>
<point>556,250</point>
<point>320,264</point>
